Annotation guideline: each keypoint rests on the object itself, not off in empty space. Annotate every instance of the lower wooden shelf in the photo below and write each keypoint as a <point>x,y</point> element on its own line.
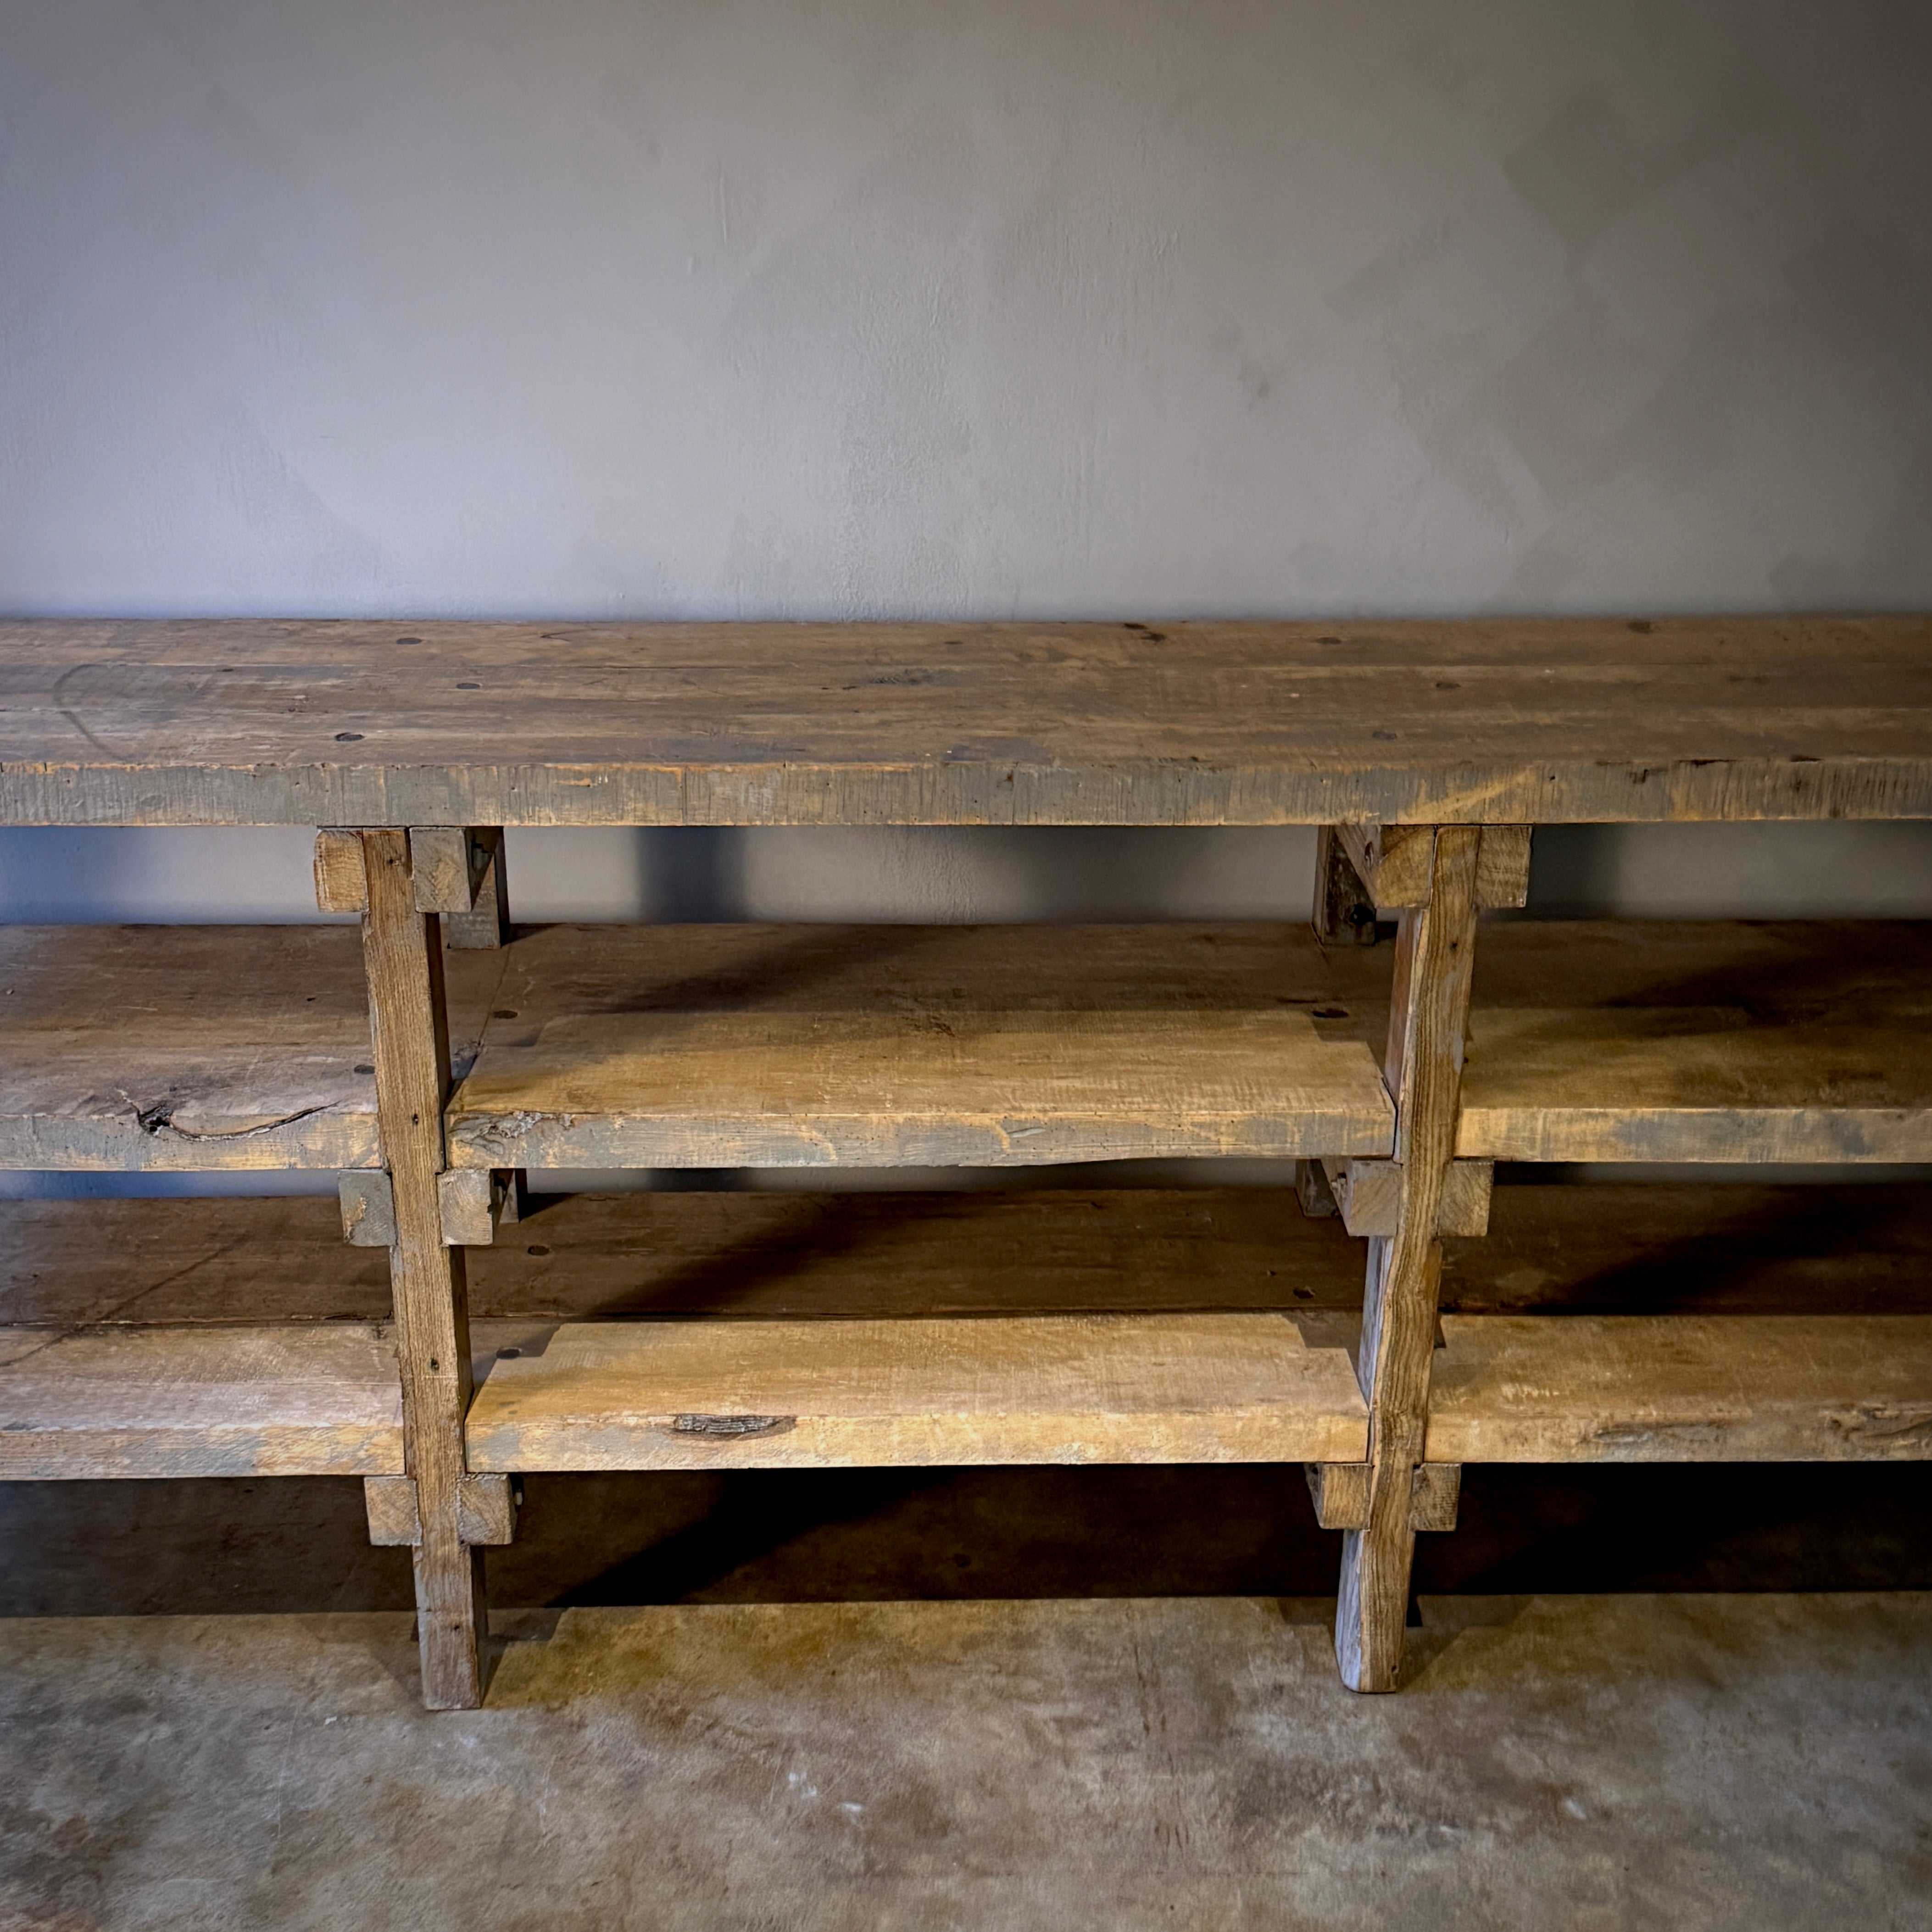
<point>1681,1388</point>
<point>721,1330</point>
<point>320,1398</point>
<point>771,1395</point>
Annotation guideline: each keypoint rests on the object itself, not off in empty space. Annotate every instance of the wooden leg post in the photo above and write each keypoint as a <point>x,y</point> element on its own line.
<point>402,952</point>
<point>1435,953</point>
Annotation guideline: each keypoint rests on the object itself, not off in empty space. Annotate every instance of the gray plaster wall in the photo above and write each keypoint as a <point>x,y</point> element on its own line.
<point>1025,307</point>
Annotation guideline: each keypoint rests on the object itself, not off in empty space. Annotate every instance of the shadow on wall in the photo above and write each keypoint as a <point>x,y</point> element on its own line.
<point>943,874</point>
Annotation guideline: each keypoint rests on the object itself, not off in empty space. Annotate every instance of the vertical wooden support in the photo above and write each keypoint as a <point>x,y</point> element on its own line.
<point>403,954</point>
<point>1435,954</point>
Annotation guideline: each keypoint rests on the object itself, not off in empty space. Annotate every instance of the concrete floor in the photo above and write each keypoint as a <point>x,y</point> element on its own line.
<point>1710,1761</point>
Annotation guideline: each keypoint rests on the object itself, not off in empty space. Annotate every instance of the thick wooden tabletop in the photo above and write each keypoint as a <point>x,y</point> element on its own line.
<point>1508,721</point>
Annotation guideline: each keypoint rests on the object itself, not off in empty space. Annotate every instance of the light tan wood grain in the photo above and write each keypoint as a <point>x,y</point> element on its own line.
<point>882,1046</point>
<point>1503,722</point>
<point>814,1395</point>
<point>1682,1388</point>
<point>320,1400</point>
<point>1737,1043</point>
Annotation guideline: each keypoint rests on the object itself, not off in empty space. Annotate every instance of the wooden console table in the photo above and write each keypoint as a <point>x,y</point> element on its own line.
<point>682,1331</point>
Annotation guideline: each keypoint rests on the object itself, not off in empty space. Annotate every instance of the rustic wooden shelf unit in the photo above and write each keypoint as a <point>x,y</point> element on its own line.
<point>442,1064</point>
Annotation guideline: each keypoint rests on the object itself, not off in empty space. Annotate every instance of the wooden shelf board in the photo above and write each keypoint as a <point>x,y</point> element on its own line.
<point>1736,1042</point>
<point>1681,1388</point>
<point>1502,720</point>
<point>322,1400</point>
<point>714,1254</point>
<point>962,1327</point>
<point>194,1047</point>
<point>880,1046</point>
<point>1593,1249</point>
<point>722,1395</point>
<point>187,1047</point>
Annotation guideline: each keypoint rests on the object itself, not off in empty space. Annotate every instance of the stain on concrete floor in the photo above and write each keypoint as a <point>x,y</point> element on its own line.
<point>1734,1761</point>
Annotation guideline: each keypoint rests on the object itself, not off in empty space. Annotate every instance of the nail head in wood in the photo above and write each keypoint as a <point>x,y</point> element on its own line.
<point>1344,914</point>
<point>341,885</point>
<point>368,1208</point>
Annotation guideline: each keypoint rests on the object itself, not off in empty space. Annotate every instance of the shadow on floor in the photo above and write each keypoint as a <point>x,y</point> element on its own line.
<point>198,1547</point>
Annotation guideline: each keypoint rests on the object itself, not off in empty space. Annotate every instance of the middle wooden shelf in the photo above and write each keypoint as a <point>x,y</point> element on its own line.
<point>827,1047</point>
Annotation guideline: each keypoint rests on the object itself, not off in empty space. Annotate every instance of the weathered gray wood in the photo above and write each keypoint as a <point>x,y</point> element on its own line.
<point>403,955</point>
<point>1510,721</point>
<point>1435,954</point>
<point>447,863</point>
<point>716,1046</point>
<point>173,1048</point>
<point>472,1203</point>
<point>486,925</point>
<point>183,1047</point>
<point>1683,1388</point>
<point>368,1204</point>
<point>318,1400</point>
<point>1170,1388</point>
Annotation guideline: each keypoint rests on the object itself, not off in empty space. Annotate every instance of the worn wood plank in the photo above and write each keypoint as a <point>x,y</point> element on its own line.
<point>164,1047</point>
<point>817,1395</point>
<point>403,954</point>
<point>722,1255</point>
<point>177,1048</point>
<point>1593,1249</point>
<point>1733,1249</point>
<point>720,1046</point>
<point>320,1400</point>
<point>1682,1388</point>
<point>1741,1041</point>
<point>1435,958</point>
<point>1513,721</point>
